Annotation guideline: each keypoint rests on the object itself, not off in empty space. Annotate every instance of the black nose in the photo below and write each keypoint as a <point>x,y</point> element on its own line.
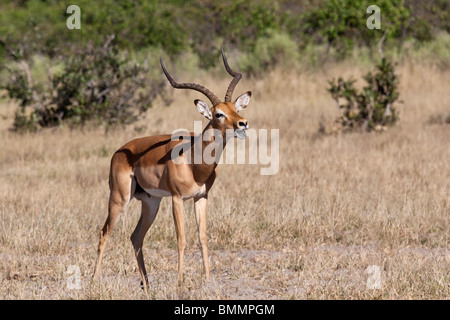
<point>242,123</point>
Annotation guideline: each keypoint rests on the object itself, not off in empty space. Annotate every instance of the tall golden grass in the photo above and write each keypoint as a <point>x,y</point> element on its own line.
<point>339,203</point>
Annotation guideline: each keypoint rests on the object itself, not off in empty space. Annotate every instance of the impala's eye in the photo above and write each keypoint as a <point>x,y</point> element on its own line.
<point>219,115</point>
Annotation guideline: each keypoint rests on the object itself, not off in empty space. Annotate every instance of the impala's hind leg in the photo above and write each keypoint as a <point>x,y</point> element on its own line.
<point>150,207</point>
<point>122,188</point>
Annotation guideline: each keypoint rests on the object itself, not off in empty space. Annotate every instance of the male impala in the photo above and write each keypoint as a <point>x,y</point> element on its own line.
<point>144,169</point>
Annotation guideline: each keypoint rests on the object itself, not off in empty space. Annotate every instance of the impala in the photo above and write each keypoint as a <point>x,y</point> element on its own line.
<point>144,169</point>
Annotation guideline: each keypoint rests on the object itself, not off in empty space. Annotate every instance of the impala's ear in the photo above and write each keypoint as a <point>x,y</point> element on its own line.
<point>203,108</point>
<point>243,101</point>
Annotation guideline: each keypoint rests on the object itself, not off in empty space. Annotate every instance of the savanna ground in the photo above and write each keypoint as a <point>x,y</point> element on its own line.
<point>338,205</point>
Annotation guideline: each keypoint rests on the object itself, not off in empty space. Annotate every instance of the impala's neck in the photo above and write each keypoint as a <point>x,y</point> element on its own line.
<point>212,144</point>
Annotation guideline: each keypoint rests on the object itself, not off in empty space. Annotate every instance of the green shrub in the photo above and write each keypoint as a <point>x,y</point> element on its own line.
<point>372,108</point>
<point>39,26</point>
<point>97,83</point>
<point>436,13</point>
<point>276,49</point>
<point>342,24</point>
<point>237,23</point>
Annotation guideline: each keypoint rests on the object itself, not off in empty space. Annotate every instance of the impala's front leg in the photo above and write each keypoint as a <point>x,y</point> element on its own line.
<point>177,207</point>
<point>200,216</point>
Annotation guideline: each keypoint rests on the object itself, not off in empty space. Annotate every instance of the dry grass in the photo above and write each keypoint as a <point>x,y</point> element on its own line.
<point>338,204</point>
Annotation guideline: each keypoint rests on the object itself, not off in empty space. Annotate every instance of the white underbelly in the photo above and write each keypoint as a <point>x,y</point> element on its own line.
<point>163,193</point>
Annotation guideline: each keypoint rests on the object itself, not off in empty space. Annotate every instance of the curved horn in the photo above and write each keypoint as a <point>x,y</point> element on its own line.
<point>234,82</point>
<point>211,96</point>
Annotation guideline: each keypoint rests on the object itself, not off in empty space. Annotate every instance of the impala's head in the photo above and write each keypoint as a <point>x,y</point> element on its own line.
<point>223,115</point>
<point>226,115</point>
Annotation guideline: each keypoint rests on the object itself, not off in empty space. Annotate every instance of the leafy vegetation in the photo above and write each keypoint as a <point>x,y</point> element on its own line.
<point>372,108</point>
<point>262,34</point>
<point>342,24</point>
<point>38,26</point>
<point>96,83</point>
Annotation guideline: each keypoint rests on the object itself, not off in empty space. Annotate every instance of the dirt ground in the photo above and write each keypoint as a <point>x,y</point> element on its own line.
<point>323,272</point>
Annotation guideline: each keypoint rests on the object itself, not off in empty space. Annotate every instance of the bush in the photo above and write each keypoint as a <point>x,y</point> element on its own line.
<point>372,108</point>
<point>97,83</point>
<point>239,23</point>
<point>176,26</point>
<point>277,49</point>
<point>342,24</point>
<point>41,25</point>
<point>436,13</point>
